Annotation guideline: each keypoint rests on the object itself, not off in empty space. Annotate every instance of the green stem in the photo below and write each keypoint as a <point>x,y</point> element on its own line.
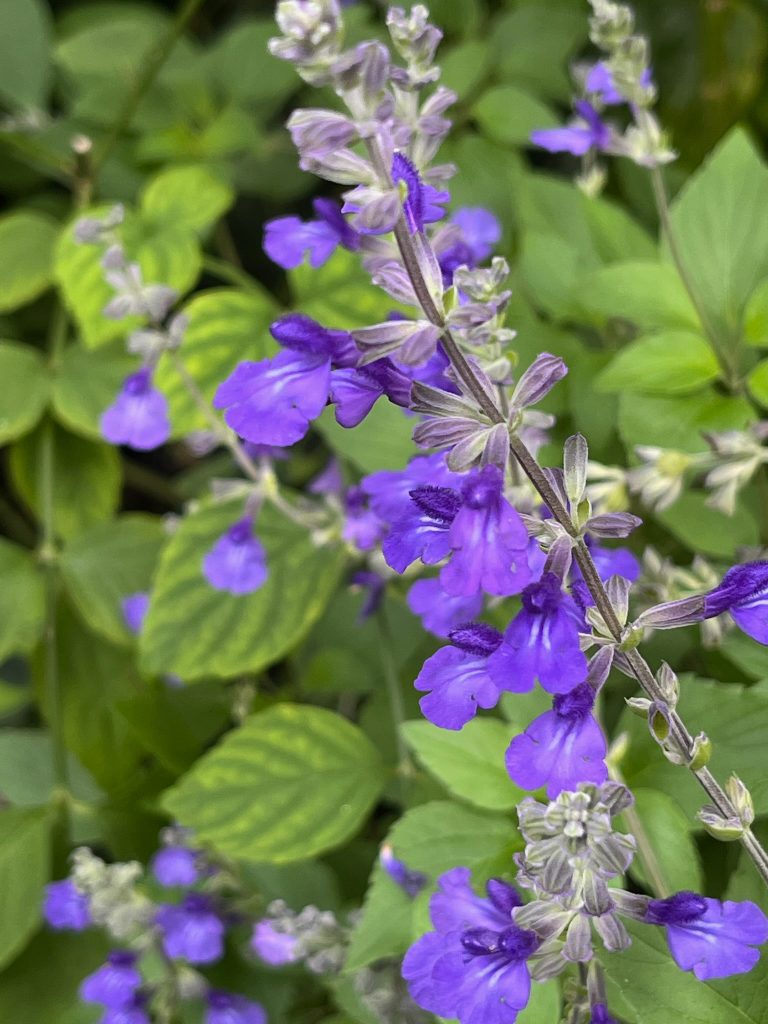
<point>394,694</point>
<point>146,77</point>
<point>653,870</point>
<point>234,275</point>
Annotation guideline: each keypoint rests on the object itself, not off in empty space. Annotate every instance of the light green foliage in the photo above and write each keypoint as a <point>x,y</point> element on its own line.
<point>85,383</point>
<point>226,326</point>
<point>25,389</point>
<point>508,114</point>
<point>278,615</point>
<point>291,782</point>
<point>339,293</point>
<point>26,769</point>
<point>469,763</point>
<point>25,60</point>
<point>381,441</point>
<point>24,870</point>
<point>21,600</point>
<point>27,240</point>
<point>669,363</point>
<point>668,841</point>
<point>708,530</point>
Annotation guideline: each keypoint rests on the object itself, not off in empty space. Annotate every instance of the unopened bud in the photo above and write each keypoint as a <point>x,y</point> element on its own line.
<point>727,830</point>
<point>639,706</point>
<point>669,685</point>
<point>741,799</point>
<point>658,721</point>
<point>701,751</point>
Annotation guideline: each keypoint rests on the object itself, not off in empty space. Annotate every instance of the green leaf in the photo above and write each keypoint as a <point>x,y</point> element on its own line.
<point>386,926</point>
<point>63,960</point>
<point>707,530</point>
<point>440,835</point>
<point>27,776</point>
<point>108,562</point>
<point>734,717</point>
<point>240,77</point>
<point>470,762</point>
<point>80,468</point>
<point>757,382</point>
<point>533,44</point>
<point>27,241</point>
<point>290,783</point>
<point>679,422</point>
<point>544,1006</point>
<point>187,197</point>
<point>668,833</point>
<point>382,441</point>
<point>22,600</point>
<point>720,218</point>
<point>669,363</point>
<point>645,986</point>
<point>25,389</point>
<point>24,871</point>
<point>225,327</point>
<point>509,114</point>
<point>167,254</point>
<point>25,66</point>
<point>648,294</point>
<point>95,676</point>
<point>195,631</point>
<point>85,383</point>
<point>339,294</point>
<point>756,317</point>
<point>463,66</point>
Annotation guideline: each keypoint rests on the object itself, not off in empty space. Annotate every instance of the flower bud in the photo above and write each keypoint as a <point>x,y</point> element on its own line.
<point>725,829</point>
<point>741,799</point>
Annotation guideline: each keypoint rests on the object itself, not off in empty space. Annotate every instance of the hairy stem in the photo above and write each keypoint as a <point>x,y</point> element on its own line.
<point>638,665</point>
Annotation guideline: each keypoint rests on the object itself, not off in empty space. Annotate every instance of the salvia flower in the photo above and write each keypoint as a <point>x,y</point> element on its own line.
<point>138,418</point>
<point>65,908</point>
<point>410,881</point>
<point>710,938</point>
<point>390,490</point>
<point>587,132</point>
<point>176,865</point>
<point>423,530</point>
<point>440,612</point>
<point>600,1015</point>
<point>743,592</point>
<point>488,540</point>
<point>542,641</point>
<point>135,608</point>
<point>562,747</point>
<point>480,230</point>
<point>456,678</point>
<point>422,203</point>
<point>192,930</point>
<point>237,561</point>
<point>115,983</point>
<point>288,240</point>
<point>473,965</point>
<point>314,936</point>
<point>226,1008</point>
<point>134,1012</point>
<point>272,946</point>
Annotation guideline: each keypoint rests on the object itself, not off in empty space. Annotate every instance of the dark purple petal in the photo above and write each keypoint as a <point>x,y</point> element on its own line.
<point>303,334</point>
<point>411,882</point>
<point>439,503</point>
<point>274,401</point>
<point>288,240</point>
<point>115,983</point>
<point>503,896</point>
<point>459,684</point>
<point>476,638</point>
<point>329,210</point>
<point>743,592</point>
<point>456,906</point>
<point>415,535</point>
<point>138,418</point>
<point>354,393</point>
<point>226,1008</point>
<point>418,971</point>
<point>192,931</point>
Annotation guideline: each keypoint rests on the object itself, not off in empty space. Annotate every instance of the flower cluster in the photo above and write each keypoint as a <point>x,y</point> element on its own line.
<point>478,962</point>
<point>187,927</point>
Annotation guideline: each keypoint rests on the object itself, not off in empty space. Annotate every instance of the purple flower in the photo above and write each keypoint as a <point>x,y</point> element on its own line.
<point>589,132</point>
<point>456,678</point>
<point>441,612</point>
<point>390,490</point>
<point>132,1013</point>
<point>743,592</point>
<point>135,608</point>
<point>274,947</point>
<point>473,966</point>
<point>480,231</point>
<point>374,588</point>
<point>411,882</point>
<point>423,531</point>
<point>237,561</point>
<point>138,417</point>
<point>422,204</point>
<point>287,240</point>
<point>65,908</point>
<point>175,865</point>
<point>542,641</point>
<point>115,983</point>
<point>600,1015</point>
<point>362,527</point>
<point>600,82</point>
<point>611,562</point>
<point>561,748</point>
<point>225,1008</point>
<point>488,539</point>
<point>710,938</point>
<point>355,390</point>
<point>192,931</point>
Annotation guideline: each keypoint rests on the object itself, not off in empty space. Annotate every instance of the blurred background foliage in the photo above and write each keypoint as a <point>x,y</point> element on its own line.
<point>186,109</point>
